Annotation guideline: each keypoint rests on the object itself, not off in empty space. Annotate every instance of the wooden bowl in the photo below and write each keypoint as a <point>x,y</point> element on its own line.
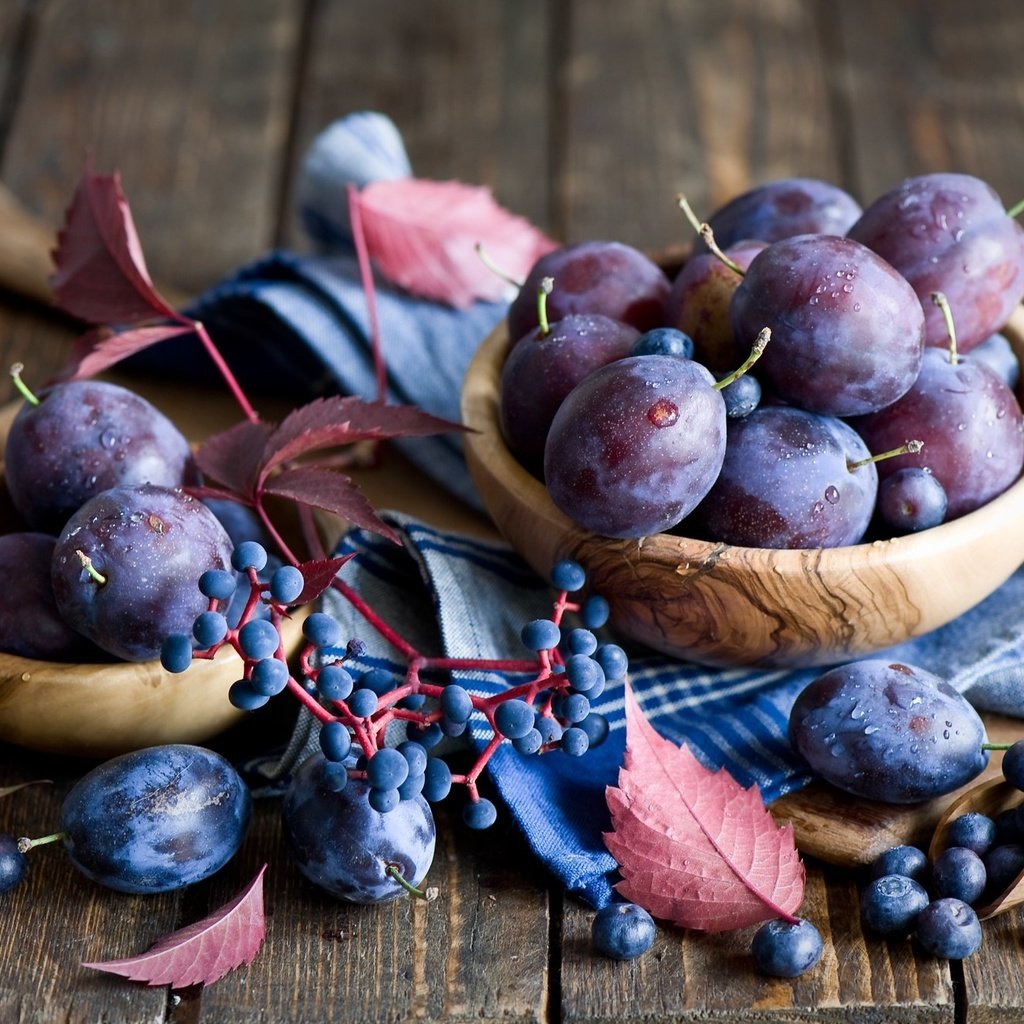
<point>721,605</point>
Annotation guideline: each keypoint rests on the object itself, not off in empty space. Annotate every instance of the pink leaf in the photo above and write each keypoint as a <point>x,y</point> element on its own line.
<point>693,846</point>
<point>101,274</point>
<point>100,349</point>
<point>232,457</point>
<point>423,236</point>
<point>319,575</point>
<point>331,491</point>
<point>202,952</point>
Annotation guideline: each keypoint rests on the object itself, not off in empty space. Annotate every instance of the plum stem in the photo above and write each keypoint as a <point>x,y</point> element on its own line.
<point>90,568</point>
<point>1016,210</point>
<point>16,371</point>
<point>25,844</point>
<point>707,234</point>
<point>755,353</point>
<point>493,267</point>
<point>394,870</point>
<point>910,448</point>
<point>547,285</point>
<point>996,746</point>
<point>947,314</point>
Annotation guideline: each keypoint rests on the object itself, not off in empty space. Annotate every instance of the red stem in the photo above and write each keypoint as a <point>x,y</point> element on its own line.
<point>355,218</point>
<point>225,371</point>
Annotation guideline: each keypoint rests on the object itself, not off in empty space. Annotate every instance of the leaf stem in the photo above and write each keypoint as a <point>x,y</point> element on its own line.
<point>225,371</point>
<point>366,276</point>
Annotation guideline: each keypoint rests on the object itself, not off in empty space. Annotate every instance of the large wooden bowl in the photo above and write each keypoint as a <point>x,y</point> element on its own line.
<point>721,605</point>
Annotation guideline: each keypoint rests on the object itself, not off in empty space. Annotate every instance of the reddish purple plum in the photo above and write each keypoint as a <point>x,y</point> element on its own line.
<point>847,330</point>
<point>950,233</point>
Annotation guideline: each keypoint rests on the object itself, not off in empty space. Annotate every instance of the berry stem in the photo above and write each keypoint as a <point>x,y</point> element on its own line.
<point>16,371</point>
<point>910,448</point>
<point>225,371</point>
<point>947,314</point>
<point>366,276</point>
<point>755,353</point>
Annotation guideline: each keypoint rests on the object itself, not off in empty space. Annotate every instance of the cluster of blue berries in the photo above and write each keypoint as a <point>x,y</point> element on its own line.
<point>551,711</point>
<point>936,901</point>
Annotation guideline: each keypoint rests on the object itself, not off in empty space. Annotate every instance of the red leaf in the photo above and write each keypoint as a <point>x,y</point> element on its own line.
<point>232,457</point>
<point>101,274</point>
<point>333,492</point>
<point>202,952</point>
<point>319,575</point>
<point>423,236</point>
<point>693,846</point>
<point>100,349</point>
<point>328,422</point>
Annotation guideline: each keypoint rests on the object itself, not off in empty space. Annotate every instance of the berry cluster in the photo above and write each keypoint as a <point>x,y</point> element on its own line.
<point>936,901</point>
<point>550,710</point>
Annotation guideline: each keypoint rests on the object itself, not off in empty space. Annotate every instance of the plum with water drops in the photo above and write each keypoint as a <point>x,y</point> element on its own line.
<point>888,731</point>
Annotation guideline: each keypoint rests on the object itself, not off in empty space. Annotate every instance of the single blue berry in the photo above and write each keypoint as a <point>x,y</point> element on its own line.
<point>541,635</point>
<point>575,708</point>
<point>973,831</point>
<point>244,697</point>
<point>596,728</point>
<point>452,729</point>
<point>583,672</point>
<point>321,630</point>
<point>258,639</point>
<point>387,769</point>
<point>334,682</point>
<point>594,612</point>
<point>176,652</point>
<point>949,928</point>
<point>335,741</point>
<point>428,736</point>
<point>269,677</point>
<point>1013,765</point>
<point>413,701</point>
<point>663,341</point>
<point>334,775</point>
<point>383,801</point>
<point>960,873</point>
<point>250,554</point>
<point>12,863</point>
<point>622,931</point>
<point>362,702</point>
<point>550,730</point>
<point>209,629</point>
<point>480,814</point>
<point>437,780</point>
<point>456,703</point>
<point>568,575</point>
<point>581,641</point>
<point>379,680</point>
<point>513,718</point>
<point>612,658</point>
<point>889,905</point>
<point>287,584</point>
<point>786,949</point>
<point>412,787</point>
<point>529,743</point>
<point>575,742</point>
<point>415,755</point>
<point>1003,864</point>
<point>741,397</point>
<point>910,861</point>
<point>218,584</point>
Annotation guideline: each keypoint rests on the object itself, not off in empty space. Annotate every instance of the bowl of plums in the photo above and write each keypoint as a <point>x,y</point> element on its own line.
<point>102,549</point>
<point>800,445</point>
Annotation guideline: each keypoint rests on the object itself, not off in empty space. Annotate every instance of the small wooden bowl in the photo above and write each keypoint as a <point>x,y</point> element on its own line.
<point>720,605</point>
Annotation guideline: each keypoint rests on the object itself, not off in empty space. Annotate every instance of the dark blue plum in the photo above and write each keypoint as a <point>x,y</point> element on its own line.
<point>623,931</point>
<point>847,330</point>
<point>146,543</point>
<point>12,863</point>
<point>889,905</point>
<point>888,731</point>
<point>909,861</point>
<point>156,819</point>
<point>949,928</point>
<point>1013,765</point>
<point>960,873</point>
<point>998,355</point>
<point>786,949</point>
<point>911,499</point>
<point>344,846</point>
<point>1003,864</point>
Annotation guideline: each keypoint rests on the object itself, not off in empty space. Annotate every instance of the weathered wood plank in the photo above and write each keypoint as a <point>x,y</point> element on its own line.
<point>923,87</point>
<point>466,84</point>
<point>706,99</point>
<point>189,100</point>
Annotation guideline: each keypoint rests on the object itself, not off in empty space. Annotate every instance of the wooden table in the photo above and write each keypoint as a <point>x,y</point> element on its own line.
<point>587,117</point>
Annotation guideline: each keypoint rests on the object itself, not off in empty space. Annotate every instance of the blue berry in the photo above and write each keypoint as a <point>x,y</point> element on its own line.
<point>456,703</point>
<point>663,341</point>
<point>959,872</point>
<point>513,718</point>
<point>415,755</point>
<point>1003,863</point>
<point>480,814</point>
<point>242,696</point>
<point>452,729</point>
<point>575,742</point>
<point>209,629</point>
<point>1013,765</point>
<point>741,397</point>
<point>387,769</point>
<point>250,554</point>
<point>269,677</point>
<point>427,736</point>
<point>622,931</point>
<point>568,575</point>
<point>550,730</point>
<point>335,741</point>
<point>334,776</point>
<point>785,949</point>
<point>334,682</point>
<point>529,743</point>
<point>583,672</point>
<point>581,641</point>
<point>889,905</point>
<point>437,780</point>
<point>594,612</point>
<point>379,680</point>
<point>412,787</point>
<point>12,863</point>
<point>176,652</point>
<point>218,584</point>
<point>596,728</point>
<point>413,702</point>
<point>383,801</point>
<point>362,702</point>
<point>974,831</point>
<point>287,584</point>
<point>258,639</point>
<point>901,860</point>
<point>575,708</point>
<point>613,660</point>
<point>949,928</point>
<point>541,635</point>
<point>321,630</point>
